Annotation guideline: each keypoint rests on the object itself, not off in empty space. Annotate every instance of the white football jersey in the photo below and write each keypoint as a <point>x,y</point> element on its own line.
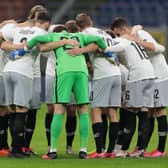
<point>51,62</point>
<point>102,67</point>
<point>124,74</point>
<point>25,64</point>
<point>157,59</point>
<point>138,62</point>
<point>3,60</point>
<point>36,67</point>
<point>8,31</point>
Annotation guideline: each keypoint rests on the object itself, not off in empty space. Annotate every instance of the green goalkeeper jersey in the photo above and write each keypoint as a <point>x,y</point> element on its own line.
<point>65,62</point>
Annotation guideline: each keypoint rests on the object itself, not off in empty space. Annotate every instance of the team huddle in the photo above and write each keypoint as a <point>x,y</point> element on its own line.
<point>118,70</point>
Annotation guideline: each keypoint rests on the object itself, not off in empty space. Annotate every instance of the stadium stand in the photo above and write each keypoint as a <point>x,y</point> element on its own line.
<point>14,9</point>
<point>153,13</point>
<point>148,13</point>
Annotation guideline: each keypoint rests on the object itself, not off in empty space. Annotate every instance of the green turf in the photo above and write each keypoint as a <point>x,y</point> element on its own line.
<point>39,143</point>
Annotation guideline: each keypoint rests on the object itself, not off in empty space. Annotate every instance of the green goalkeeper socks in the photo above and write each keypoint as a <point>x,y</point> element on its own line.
<point>56,127</point>
<point>84,130</point>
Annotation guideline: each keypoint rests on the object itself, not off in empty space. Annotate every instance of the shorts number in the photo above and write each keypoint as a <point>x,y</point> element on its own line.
<point>156,94</point>
<point>127,95</point>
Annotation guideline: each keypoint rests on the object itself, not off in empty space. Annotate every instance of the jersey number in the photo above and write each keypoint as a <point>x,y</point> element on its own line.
<point>108,41</point>
<point>67,47</point>
<point>140,51</point>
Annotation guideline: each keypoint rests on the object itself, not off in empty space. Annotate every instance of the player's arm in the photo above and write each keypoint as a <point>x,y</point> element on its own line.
<point>147,38</point>
<point>119,46</point>
<point>56,44</point>
<point>147,45</point>
<point>135,29</point>
<point>87,49</point>
<point>94,39</point>
<point>144,39</point>
<point>9,46</point>
<point>38,39</point>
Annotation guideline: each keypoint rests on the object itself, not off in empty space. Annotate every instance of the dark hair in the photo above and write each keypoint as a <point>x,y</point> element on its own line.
<point>71,26</point>
<point>59,28</point>
<point>83,20</point>
<point>108,31</point>
<point>43,17</point>
<point>119,22</point>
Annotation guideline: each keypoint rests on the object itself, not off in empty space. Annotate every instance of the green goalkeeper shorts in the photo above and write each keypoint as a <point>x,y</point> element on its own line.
<point>66,83</point>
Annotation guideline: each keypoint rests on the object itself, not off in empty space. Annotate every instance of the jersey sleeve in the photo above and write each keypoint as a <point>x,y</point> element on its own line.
<point>8,31</point>
<point>145,36</point>
<point>39,39</point>
<point>94,39</point>
<point>119,46</point>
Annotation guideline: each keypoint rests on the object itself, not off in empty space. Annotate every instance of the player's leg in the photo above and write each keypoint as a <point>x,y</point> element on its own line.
<point>114,103</point>
<point>48,120</point>
<point>80,89</point>
<point>4,148</point>
<point>131,99</point>
<point>96,117</point>
<point>62,93</point>
<point>22,97</point>
<point>105,126</point>
<point>151,128</point>
<point>161,101</point>
<point>129,129</point>
<point>4,116</point>
<point>48,82</point>
<point>70,126</point>
<point>123,113</point>
<point>83,130</point>
<point>147,100</point>
<point>56,126</point>
<point>9,92</point>
<point>30,122</point>
<point>113,131</point>
<point>162,130</point>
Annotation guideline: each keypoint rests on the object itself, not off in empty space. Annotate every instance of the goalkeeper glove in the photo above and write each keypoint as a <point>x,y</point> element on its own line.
<point>15,54</point>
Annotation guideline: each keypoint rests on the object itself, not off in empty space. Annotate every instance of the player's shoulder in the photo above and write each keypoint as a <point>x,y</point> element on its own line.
<point>121,40</point>
<point>142,33</point>
<point>8,31</point>
<point>9,26</point>
<point>90,30</point>
<point>39,30</point>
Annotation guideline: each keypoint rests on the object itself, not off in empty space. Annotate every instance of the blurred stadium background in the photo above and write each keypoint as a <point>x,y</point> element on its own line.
<point>152,14</point>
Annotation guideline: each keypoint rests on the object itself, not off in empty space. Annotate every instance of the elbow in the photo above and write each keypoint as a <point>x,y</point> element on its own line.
<point>151,47</point>
<point>41,48</point>
<point>3,46</point>
<point>159,48</point>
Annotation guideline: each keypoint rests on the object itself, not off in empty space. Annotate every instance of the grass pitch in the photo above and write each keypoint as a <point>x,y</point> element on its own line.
<point>39,144</point>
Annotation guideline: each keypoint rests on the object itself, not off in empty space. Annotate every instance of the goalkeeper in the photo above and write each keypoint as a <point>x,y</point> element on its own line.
<point>72,75</point>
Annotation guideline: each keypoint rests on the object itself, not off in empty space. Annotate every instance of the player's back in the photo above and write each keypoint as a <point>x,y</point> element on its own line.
<point>23,65</point>
<point>65,62</point>
<point>138,62</point>
<point>157,58</point>
<point>102,67</point>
